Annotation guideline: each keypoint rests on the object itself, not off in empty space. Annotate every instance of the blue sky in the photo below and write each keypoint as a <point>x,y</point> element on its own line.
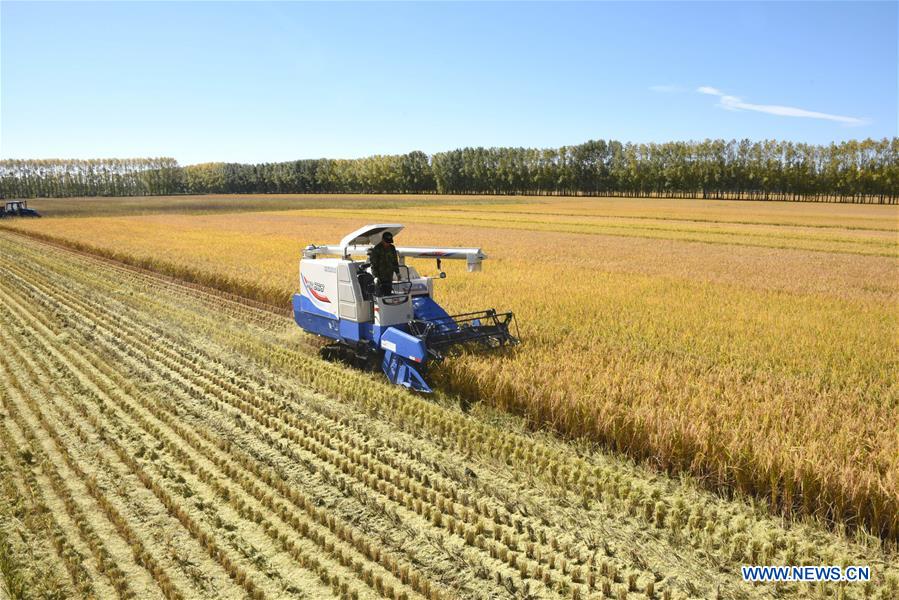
<point>255,82</point>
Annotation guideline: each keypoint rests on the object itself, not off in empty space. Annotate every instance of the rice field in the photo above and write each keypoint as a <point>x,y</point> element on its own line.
<point>752,345</point>
<point>158,440</point>
<point>750,348</point>
<point>225,203</point>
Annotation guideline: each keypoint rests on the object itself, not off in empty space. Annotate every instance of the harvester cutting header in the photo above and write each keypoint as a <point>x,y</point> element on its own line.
<point>393,320</point>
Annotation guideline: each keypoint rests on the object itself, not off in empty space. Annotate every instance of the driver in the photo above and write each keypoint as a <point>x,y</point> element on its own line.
<point>384,263</point>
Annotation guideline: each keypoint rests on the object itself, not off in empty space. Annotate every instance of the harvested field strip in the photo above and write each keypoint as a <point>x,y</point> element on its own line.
<point>230,203</point>
<point>311,432</point>
<point>47,549</point>
<point>51,520</point>
<point>864,242</point>
<point>145,378</point>
<point>188,483</point>
<point>232,471</point>
<point>558,210</point>
<point>101,535</point>
<point>789,214</point>
<point>229,563</point>
<point>859,235</point>
<point>141,554</point>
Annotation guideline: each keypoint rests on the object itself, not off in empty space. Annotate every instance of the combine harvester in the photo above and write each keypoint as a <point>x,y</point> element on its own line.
<point>403,331</point>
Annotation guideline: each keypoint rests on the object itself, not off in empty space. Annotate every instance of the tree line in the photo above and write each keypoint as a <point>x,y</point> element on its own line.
<point>61,178</point>
<point>405,173</point>
<point>851,171</point>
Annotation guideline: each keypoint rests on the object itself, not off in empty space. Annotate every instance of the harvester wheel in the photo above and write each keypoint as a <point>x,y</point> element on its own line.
<point>368,361</point>
<point>361,358</point>
<point>331,352</point>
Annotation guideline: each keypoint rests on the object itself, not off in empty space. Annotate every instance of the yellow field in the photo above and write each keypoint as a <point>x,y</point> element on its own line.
<point>753,345</point>
<point>160,441</point>
<point>218,203</point>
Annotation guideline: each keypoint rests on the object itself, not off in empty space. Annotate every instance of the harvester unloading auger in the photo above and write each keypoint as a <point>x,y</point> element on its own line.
<point>402,331</point>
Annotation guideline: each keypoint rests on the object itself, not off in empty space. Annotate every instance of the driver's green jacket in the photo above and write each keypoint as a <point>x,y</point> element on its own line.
<point>384,262</point>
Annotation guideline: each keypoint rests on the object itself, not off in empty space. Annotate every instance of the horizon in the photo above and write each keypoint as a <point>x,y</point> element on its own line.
<point>255,83</point>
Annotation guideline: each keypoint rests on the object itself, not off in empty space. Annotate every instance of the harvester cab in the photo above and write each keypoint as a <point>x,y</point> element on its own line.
<point>402,331</point>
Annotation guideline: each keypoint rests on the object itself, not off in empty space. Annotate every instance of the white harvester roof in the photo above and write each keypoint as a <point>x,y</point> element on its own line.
<point>368,235</point>
<point>359,242</point>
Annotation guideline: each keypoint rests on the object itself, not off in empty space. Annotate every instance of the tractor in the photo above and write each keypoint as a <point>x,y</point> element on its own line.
<point>17,208</point>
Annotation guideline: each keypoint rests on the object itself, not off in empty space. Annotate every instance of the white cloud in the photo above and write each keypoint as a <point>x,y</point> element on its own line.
<point>666,89</point>
<point>735,103</point>
<point>709,90</point>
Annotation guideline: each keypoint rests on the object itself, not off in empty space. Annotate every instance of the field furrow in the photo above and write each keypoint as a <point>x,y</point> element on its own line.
<point>39,521</point>
<point>54,524</point>
<point>91,511</point>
